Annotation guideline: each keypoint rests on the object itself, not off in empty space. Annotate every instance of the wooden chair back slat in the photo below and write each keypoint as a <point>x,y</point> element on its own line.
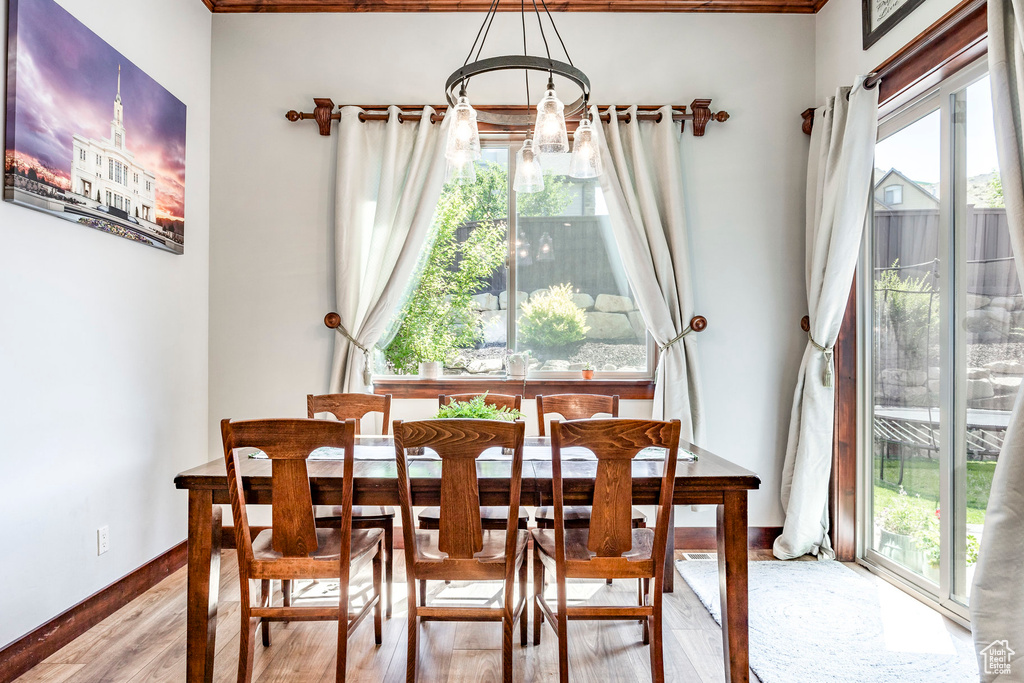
<point>574,407</point>
<point>458,442</point>
<point>497,400</point>
<point>350,407</point>
<point>287,443</point>
<point>615,443</point>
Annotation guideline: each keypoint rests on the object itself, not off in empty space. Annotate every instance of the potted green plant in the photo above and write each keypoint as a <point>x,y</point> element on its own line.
<point>928,540</point>
<point>432,365</point>
<point>902,523</point>
<point>588,371</point>
<point>477,408</point>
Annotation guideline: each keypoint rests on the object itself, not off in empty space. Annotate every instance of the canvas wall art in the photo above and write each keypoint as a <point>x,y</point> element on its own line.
<point>90,137</point>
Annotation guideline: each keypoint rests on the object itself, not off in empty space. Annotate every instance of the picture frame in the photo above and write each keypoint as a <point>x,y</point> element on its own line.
<point>878,17</point>
<point>91,139</point>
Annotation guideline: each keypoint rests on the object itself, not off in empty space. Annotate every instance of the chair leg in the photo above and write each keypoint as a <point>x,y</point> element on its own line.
<point>524,614</point>
<point>423,593</point>
<point>389,561</point>
<point>342,662</point>
<point>657,653</point>
<point>538,595</point>
<point>286,593</point>
<point>265,597</point>
<point>506,644</point>
<point>247,644</point>
<point>377,571</point>
<point>562,620</point>
<point>645,622</point>
<point>412,652</point>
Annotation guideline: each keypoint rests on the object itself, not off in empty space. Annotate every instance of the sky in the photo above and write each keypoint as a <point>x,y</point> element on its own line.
<point>66,80</point>
<point>914,150</point>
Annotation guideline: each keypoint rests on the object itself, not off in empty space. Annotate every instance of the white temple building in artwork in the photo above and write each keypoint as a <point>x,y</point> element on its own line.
<point>105,171</point>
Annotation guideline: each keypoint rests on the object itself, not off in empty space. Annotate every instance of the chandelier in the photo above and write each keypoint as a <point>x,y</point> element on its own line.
<point>548,135</point>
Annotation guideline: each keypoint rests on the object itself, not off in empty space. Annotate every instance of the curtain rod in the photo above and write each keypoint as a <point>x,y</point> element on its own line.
<point>323,113</point>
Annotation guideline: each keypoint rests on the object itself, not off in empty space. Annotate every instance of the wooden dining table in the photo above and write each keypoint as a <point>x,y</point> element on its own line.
<point>702,478</point>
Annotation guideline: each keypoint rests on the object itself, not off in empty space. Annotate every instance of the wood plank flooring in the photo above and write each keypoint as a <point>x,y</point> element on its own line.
<point>144,642</point>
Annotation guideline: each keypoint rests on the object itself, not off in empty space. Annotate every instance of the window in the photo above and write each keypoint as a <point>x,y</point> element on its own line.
<point>149,186</point>
<point>894,195</point>
<point>945,339</point>
<point>513,272</point>
<point>99,160</point>
<point>109,198</point>
<point>81,154</point>
<point>117,140</point>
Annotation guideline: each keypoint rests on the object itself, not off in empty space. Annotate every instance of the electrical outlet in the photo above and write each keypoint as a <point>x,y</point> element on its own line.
<point>102,540</point>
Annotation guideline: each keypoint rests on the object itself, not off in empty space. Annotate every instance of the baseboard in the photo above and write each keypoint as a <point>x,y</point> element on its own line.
<point>29,650</point>
<point>687,537</point>
<point>706,537</point>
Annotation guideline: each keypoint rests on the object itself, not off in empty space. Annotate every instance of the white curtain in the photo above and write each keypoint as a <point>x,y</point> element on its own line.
<point>642,185</point>
<point>997,596</point>
<point>390,174</point>
<point>839,169</point>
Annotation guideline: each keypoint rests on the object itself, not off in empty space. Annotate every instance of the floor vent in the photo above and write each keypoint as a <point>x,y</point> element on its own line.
<point>699,556</point>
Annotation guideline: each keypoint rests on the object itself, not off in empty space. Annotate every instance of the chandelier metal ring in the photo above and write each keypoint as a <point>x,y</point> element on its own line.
<point>521,63</point>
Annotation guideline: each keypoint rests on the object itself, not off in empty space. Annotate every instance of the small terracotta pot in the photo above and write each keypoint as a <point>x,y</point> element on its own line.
<point>588,374</point>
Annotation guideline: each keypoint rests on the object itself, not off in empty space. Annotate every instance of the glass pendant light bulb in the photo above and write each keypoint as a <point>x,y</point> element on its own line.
<point>546,252</point>
<point>463,136</point>
<point>461,172</point>
<point>586,157</point>
<point>549,131</point>
<point>529,174</point>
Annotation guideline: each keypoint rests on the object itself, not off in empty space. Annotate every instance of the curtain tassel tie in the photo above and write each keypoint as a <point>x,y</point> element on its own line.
<point>826,351</point>
<point>367,370</point>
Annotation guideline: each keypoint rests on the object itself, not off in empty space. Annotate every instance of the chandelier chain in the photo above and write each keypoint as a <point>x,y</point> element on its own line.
<point>543,36</point>
<point>479,31</point>
<point>557,34</point>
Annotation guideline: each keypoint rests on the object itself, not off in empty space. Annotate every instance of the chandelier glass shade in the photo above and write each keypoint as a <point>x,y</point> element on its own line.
<point>529,174</point>
<point>549,134</point>
<point>462,172</point>
<point>586,157</point>
<point>463,144</point>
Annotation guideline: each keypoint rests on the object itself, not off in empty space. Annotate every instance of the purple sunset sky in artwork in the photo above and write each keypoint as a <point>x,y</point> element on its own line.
<point>66,83</point>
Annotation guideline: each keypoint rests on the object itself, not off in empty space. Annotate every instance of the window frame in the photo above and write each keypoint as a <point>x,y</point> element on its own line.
<point>632,385</point>
<point>952,432</point>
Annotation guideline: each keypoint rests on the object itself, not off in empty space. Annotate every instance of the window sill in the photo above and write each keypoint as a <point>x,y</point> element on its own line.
<point>411,387</point>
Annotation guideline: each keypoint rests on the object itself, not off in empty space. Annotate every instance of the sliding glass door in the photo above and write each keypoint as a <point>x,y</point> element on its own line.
<point>943,332</point>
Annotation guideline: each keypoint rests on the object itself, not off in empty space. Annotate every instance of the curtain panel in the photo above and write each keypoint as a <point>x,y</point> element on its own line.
<point>389,178</point>
<point>839,171</point>
<point>642,184</point>
<point>997,594</point>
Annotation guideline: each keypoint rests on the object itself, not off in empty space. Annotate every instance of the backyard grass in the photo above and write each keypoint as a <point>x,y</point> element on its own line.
<point>921,478</point>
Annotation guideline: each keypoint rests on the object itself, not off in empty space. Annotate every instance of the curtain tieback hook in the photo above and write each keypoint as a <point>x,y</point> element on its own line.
<point>367,371</point>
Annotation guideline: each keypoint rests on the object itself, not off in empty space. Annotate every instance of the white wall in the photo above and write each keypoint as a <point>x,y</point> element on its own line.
<point>272,276</point>
<point>839,55</point>
<point>103,358</point>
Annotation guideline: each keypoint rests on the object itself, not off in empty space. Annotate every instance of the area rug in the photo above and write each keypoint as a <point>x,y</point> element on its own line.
<point>822,622</point>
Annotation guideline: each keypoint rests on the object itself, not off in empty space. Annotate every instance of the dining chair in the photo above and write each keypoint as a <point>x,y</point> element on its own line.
<point>354,407</point>
<point>461,549</point>
<point>294,547</point>
<point>609,547</point>
<point>576,407</point>
<point>494,517</point>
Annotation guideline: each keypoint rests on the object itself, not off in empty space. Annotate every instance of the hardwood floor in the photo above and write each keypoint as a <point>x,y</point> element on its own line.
<point>145,641</point>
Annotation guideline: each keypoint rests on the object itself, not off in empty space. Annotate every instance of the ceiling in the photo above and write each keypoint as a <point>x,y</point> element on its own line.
<point>762,6</point>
